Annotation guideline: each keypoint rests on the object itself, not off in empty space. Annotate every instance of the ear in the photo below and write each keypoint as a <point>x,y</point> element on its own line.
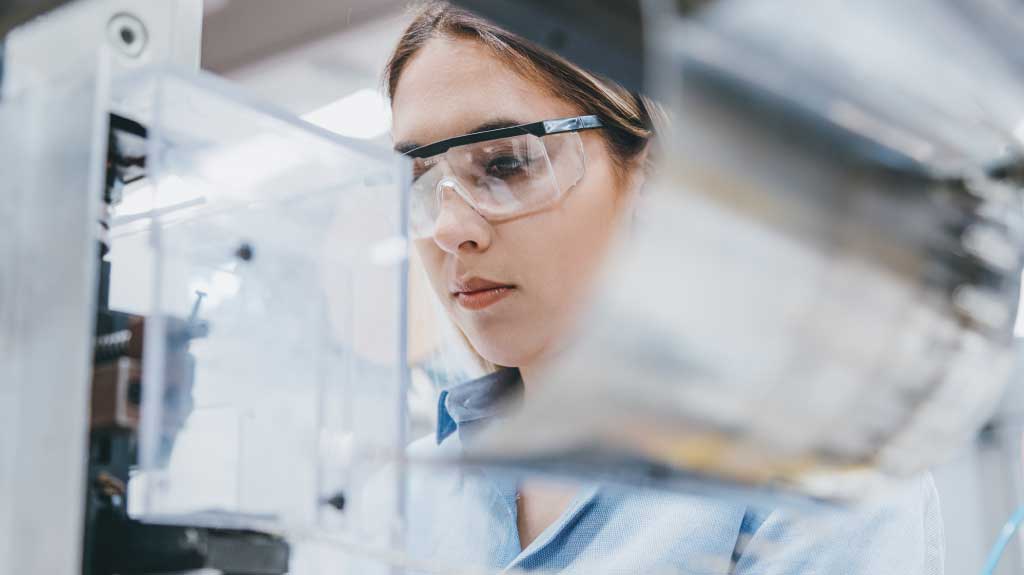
<point>638,172</point>
<point>631,199</point>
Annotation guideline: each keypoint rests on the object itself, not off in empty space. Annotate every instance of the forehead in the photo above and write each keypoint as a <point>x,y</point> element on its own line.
<point>451,86</point>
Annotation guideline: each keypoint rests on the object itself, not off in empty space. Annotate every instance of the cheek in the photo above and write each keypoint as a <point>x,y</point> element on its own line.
<point>589,217</point>
<point>568,244</point>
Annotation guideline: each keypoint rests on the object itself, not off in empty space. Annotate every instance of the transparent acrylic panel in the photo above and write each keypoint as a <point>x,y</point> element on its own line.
<point>269,259</point>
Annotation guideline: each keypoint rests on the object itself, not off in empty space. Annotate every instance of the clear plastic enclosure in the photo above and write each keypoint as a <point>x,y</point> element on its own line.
<point>268,257</point>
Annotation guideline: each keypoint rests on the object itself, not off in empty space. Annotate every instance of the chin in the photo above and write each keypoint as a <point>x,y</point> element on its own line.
<point>506,352</point>
<point>498,356</point>
<point>518,341</point>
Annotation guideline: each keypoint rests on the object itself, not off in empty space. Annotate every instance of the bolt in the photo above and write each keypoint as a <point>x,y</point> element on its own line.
<point>127,34</point>
<point>244,252</point>
<point>337,501</point>
<point>200,294</point>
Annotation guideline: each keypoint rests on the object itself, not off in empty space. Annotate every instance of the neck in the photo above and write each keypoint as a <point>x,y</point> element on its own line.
<point>528,375</point>
<point>531,376</point>
<point>532,372</point>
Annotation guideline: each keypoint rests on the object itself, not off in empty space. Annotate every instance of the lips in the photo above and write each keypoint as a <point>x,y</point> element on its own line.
<point>478,293</point>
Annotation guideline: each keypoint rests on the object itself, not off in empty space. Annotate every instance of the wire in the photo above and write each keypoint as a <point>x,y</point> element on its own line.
<point>1004,539</point>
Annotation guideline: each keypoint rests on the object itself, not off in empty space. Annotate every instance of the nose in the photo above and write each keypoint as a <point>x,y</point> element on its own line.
<point>459,228</point>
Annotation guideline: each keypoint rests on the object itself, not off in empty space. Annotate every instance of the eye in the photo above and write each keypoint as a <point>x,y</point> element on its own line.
<point>505,166</point>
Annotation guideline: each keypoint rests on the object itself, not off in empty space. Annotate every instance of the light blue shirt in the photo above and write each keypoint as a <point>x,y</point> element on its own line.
<point>468,519</point>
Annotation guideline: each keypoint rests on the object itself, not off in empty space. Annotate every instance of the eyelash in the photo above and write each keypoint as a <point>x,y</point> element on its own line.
<point>495,162</point>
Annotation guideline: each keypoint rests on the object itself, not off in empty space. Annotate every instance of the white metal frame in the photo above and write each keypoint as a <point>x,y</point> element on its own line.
<point>47,307</point>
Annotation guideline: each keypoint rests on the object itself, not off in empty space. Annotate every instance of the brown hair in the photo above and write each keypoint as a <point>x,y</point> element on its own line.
<point>627,116</point>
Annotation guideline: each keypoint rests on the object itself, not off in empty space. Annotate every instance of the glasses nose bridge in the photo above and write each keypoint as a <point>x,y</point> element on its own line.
<point>458,222</point>
<point>449,181</point>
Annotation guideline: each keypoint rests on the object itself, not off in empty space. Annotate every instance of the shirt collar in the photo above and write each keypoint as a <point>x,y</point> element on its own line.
<point>470,403</point>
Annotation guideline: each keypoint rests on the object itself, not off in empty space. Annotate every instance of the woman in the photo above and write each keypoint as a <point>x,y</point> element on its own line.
<point>525,165</point>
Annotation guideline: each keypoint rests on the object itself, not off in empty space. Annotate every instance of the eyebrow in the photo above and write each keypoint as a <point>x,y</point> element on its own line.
<point>405,147</point>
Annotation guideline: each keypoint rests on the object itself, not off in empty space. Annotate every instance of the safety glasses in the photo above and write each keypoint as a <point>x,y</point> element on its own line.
<point>501,174</point>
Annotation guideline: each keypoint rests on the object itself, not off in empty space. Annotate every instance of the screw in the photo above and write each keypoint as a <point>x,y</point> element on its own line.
<point>337,501</point>
<point>200,294</point>
<point>128,34</point>
<point>244,252</point>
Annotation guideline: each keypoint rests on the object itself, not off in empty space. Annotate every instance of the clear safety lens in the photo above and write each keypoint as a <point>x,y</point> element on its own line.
<point>499,179</point>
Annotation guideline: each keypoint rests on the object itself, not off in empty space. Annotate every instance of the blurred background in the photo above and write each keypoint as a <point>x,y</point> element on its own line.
<point>318,57</point>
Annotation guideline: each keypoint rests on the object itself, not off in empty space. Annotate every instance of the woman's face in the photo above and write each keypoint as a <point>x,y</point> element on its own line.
<point>513,286</point>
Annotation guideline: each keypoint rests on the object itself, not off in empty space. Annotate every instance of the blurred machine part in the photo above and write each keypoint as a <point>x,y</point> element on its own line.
<point>47,292</point>
<point>133,35</point>
<point>830,265</point>
<point>57,72</point>
<point>55,106</point>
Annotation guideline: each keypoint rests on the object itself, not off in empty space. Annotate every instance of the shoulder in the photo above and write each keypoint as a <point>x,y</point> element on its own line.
<point>427,446</point>
<point>429,470</point>
<point>898,532</point>
<point>423,478</point>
